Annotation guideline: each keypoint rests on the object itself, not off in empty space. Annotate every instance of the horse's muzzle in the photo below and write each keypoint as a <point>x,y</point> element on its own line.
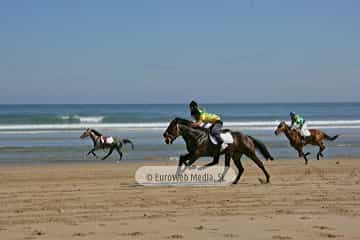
<point>276,132</point>
<point>168,139</point>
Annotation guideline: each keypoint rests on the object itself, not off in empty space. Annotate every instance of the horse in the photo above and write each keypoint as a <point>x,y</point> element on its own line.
<point>316,138</point>
<point>102,142</point>
<point>199,145</point>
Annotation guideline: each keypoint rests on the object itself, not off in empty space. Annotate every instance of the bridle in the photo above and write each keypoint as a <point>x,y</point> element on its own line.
<point>172,137</point>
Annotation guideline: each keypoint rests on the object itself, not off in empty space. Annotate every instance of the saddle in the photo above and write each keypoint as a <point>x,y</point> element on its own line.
<point>303,132</point>
<point>106,140</point>
<point>225,135</point>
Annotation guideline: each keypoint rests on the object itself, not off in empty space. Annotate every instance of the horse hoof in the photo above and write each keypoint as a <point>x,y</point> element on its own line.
<point>262,181</point>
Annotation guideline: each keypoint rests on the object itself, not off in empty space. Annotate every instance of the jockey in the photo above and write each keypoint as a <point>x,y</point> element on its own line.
<point>207,120</point>
<point>300,122</point>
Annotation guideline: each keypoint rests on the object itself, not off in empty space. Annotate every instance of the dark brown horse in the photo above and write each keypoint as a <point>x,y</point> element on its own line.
<point>198,145</point>
<point>316,138</point>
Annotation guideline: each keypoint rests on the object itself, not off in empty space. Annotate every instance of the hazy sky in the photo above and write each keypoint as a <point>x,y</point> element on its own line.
<point>173,51</point>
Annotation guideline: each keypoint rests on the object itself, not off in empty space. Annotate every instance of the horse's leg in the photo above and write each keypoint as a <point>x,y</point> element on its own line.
<point>92,152</point>
<point>109,153</point>
<point>182,160</point>
<point>191,158</point>
<point>227,166</point>
<point>227,159</point>
<point>318,154</point>
<point>119,151</point>
<point>259,163</point>
<point>301,154</point>
<point>236,158</point>
<point>305,158</point>
<point>215,161</point>
<point>321,149</point>
<point>306,154</point>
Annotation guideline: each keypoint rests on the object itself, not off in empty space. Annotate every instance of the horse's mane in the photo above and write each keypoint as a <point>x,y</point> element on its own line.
<point>96,132</point>
<point>188,124</point>
<point>183,121</point>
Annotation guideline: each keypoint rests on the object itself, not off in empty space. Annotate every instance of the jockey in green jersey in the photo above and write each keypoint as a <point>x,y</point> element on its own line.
<point>300,122</point>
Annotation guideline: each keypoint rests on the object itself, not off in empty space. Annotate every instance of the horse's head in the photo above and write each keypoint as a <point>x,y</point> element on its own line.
<point>86,133</point>
<point>281,128</point>
<point>172,131</point>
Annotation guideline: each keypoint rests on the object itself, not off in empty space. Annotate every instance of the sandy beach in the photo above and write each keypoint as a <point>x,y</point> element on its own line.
<point>103,201</point>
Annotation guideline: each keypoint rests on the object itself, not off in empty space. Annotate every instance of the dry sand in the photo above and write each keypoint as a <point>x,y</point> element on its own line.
<point>103,201</point>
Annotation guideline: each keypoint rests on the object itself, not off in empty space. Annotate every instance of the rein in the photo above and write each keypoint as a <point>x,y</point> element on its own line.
<point>173,137</point>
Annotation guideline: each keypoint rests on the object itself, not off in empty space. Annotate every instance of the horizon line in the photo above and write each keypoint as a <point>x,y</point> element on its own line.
<point>173,103</point>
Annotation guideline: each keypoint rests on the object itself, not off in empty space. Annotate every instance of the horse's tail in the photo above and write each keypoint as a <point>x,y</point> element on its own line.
<point>262,148</point>
<point>327,137</point>
<point>127,141</point>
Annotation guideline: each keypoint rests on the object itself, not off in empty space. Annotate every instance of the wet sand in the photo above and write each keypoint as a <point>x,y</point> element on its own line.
<point>103,201</point>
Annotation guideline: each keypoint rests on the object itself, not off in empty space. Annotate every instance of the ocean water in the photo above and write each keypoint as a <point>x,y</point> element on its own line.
<point>50,133</point>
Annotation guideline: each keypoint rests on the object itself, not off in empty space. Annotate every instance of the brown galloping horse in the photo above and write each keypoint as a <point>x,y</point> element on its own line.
<point>316,138</point>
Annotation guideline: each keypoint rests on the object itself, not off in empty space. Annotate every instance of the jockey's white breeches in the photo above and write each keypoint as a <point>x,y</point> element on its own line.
<point>304,131</point>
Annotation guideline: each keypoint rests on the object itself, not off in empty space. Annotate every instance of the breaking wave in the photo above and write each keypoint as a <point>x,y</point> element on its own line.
<point>83,119</point>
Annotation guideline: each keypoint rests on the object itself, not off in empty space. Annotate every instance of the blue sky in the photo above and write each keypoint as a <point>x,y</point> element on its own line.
<point>173,51</point>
